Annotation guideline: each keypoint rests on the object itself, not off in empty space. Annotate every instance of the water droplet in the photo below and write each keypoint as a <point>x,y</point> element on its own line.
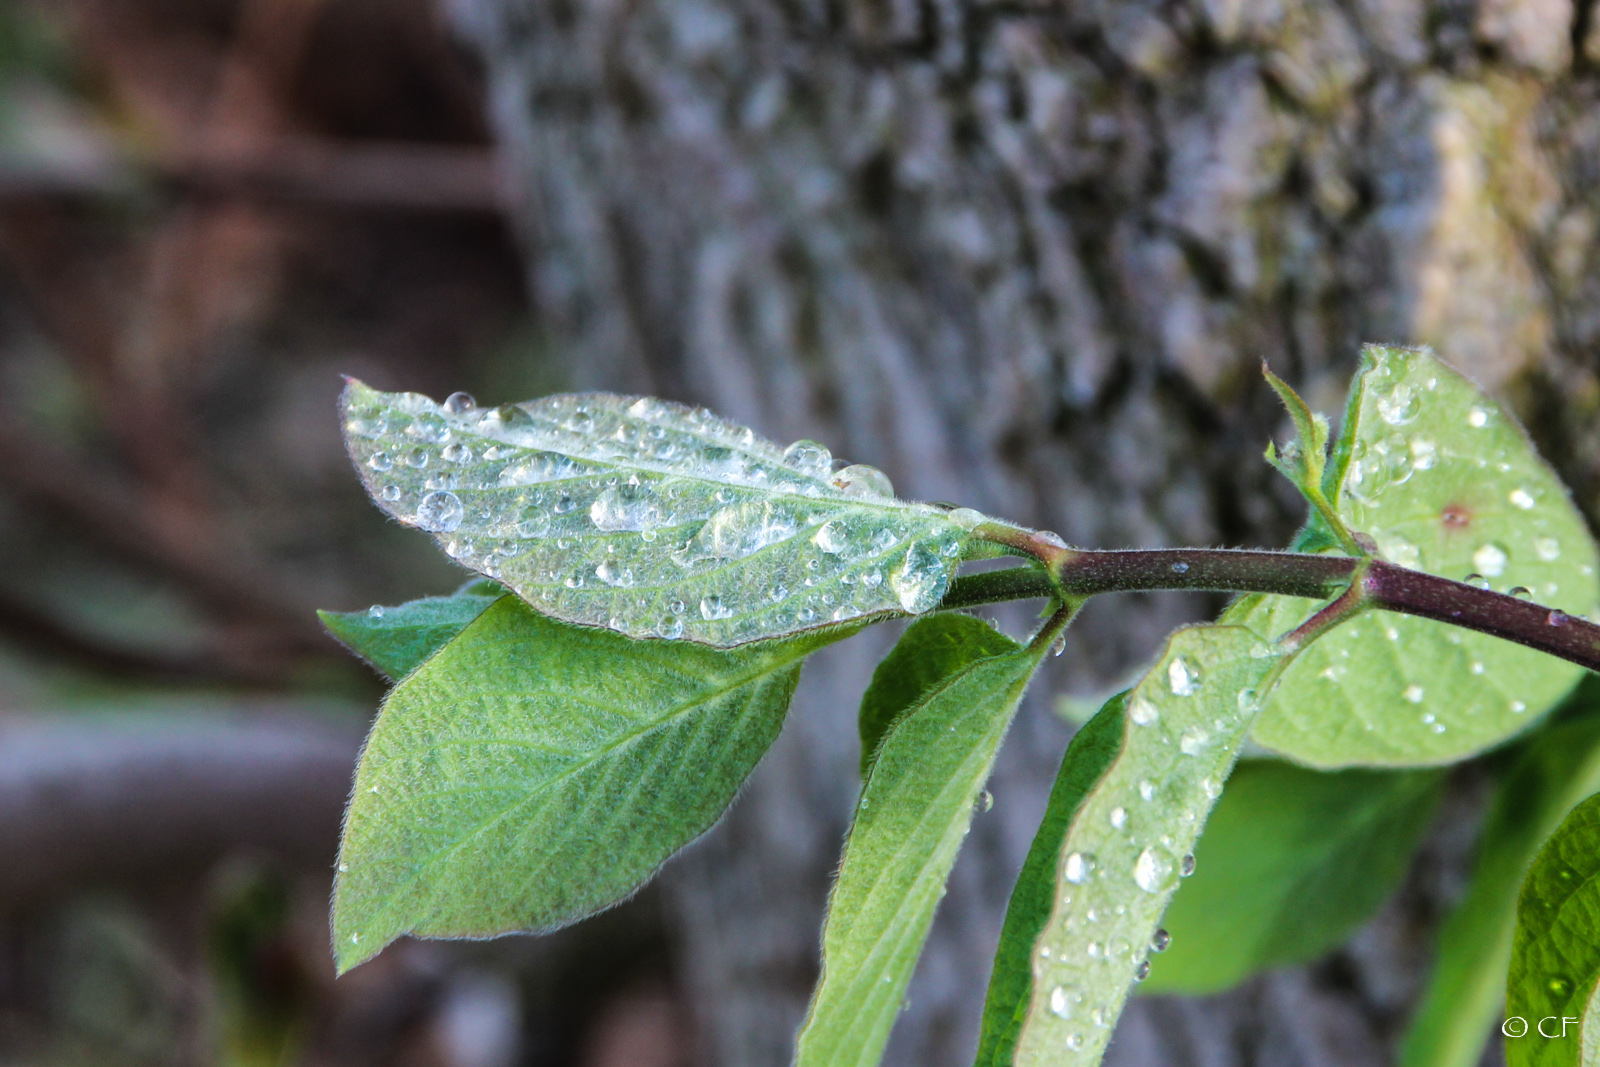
<point>344,868</point>
<point>1413,693</point>
<point>439,512</point>
<point>380,461</point>
<point>1521,498</point>
<point>1424,454</point>
<point>459,403</point>
<point>1186,866</point>
<point>809,458</point>
<point>417,457</point>
<point>1147,789</point>
<point>564,504</point>
<point>1141,972</point>
<point>1399,407</point>
<point>1180,567</point>
<point>1561,987</point>
<point>872,579</point>
<point>1050,537</point>
<point>1210,787</point>
<point>984,802</point>
<point>1478,417</point>
<point>1558,618</point>
<point>612,574</point>
<point>1490,559</point>
<point>712,608</point>
<point>456,452</point>
<point>1194,741</point>
<point>1078,868</point>
<point>1060,1003</point>
<point>1547,548</point>
<point>1142,711</point>
<point>1160,940</point>
<point>1074,1041</point>
<point>375,612</point>
<point>921,579</point>
<point>391,493</point>
<point>1119,818</point>
<point>1059,645</point>
<point>966,518</point>
<point>1153,871</point>
<point>580,421</point>
<point>832,537</point>
<point>1182,679</point>
<point>355,939</point>
<point>862,480</point>
<point>1518,707</point>
<point>1521,592</point>
<point>670,627</point>
<point>625,507</point>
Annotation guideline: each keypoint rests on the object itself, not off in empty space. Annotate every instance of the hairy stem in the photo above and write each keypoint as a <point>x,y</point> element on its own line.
<point>1356,584</point>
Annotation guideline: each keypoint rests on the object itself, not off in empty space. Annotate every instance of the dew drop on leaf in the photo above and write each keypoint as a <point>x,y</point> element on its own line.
<point>1152,871</point>
<point>863,480</point>
<point>1160,940</point>
<point>1182,679</point>
<point>1521,498</point>
<point>810,458</point>
<point>375,612</point>
<point>1078,868</point>
<point>1141,972</point>
<point>439,512</point>
<point>1491,560</point>
<point>1143,711</point>
<point>380,461</point>
<point>711,607</point>
<point>1060,1003</point>
<point>459,403</point>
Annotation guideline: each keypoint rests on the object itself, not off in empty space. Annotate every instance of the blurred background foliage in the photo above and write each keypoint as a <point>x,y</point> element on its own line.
<point>209,211</point>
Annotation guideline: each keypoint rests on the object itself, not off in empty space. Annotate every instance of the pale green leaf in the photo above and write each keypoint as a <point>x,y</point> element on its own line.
<point>650,518</point>
<point>1291,862</point>
<point>1461,1008</point>
<point>1555,956</point>
<point>914,811</point>
<point>1011,982</point>
<point>531,773</point>
<point>927,654</point>
<point>396,640</point>
<point>1131,837</point>
<point>1444,481</point>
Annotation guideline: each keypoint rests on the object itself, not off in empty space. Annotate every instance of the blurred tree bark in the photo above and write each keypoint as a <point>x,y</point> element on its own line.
<point>1028,256</point>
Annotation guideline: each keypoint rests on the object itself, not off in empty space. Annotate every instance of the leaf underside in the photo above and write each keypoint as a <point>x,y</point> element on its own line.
<point>1445,482</point>
<point>914,812</point>
<point>650,518</point>
<point>1460,1009</point>
<point>1291,862</point>
<point>1126,845</point>
<point>532,773</point>
<point>1555,956</point>
<point>398,640</point>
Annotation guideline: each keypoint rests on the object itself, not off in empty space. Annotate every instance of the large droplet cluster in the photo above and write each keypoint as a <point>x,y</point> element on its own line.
<point>1443,481</point>
<point>650,518</point>
<point>1132,840</point>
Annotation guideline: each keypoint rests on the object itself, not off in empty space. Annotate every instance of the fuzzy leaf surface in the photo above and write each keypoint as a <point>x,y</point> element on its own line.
<point>1460,1010</point>
<point>1555,956</point>
<point>531,773</point>
<point>1446,482</point>
<point>927,655</point>
<point>1011,981</point>
<point>650,518</point>
<point>915,808</point>
<point>396,640</point>
<point>1291,862</point>
<point>1124,851</point>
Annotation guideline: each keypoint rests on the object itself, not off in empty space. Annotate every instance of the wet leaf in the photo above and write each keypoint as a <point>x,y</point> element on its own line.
<point>1444,481</point>
<point>650,518</point>
<point>1131,838</point>
<point>1555,956</point>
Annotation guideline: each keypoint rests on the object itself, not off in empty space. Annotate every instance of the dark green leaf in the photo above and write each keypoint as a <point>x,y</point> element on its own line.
<point>1011,983</point>
<point>1291,862</point>
<point>914,812</point>
<point>532,773</point>
<point>1555,956</point>
<point>1461,1008</point>
<point>929,653</point>
<point>396,640</point>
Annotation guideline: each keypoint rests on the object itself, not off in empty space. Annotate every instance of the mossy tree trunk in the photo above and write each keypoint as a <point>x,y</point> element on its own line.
<point>1028,256</point>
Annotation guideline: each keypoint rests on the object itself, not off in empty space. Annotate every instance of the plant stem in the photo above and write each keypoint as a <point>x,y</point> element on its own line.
<point>1358,584</point>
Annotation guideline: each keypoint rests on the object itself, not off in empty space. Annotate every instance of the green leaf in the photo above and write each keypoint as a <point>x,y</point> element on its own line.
<point>1444,481</point>
<point>914,811</point>
<point>532,773</point>
<point>1555,957</point>
<point>929,653</point>
<point>1291,862</point>
<point>397,640</point>
<point>1461,1008</point>
<point>650,518</point>
<point>1129,839</point>
<point>1011,982</point>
